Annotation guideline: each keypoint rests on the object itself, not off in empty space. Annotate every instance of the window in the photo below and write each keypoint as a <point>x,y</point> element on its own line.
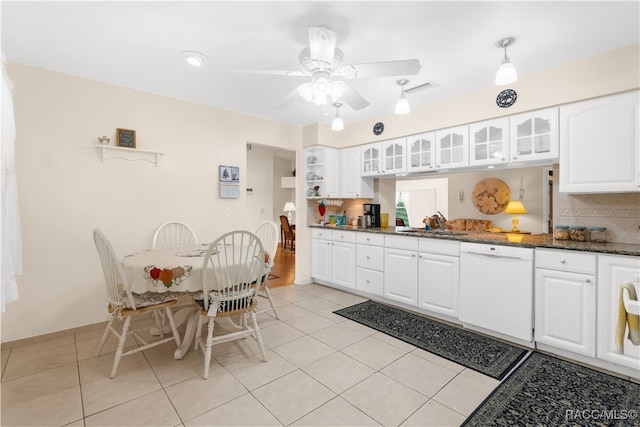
<point>419,198</point>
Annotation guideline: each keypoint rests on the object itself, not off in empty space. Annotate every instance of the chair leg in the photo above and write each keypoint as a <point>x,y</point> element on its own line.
<point>158,317</point>
<point>198,334</point>
<point>105,335</point>
<point>121,342</point>
<point>258,335</point>
<point>207,351</point>
<point>273,306</point>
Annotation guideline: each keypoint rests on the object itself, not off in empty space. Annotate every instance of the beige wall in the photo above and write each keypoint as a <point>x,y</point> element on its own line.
<point>65,191</point>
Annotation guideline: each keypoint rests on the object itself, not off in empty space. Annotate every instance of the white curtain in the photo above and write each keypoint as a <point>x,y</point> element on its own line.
<point>10,239</point>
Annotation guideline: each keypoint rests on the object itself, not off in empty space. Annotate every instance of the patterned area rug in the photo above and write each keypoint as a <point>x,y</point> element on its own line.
<point>474,351</point>
<point>546,391</point>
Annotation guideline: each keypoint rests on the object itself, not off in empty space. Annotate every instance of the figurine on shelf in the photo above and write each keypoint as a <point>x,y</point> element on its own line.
<point>104,140</point>
<point>317,190</point>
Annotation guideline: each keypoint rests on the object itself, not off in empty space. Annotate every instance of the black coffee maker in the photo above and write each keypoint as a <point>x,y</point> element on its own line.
<point>372,212</point>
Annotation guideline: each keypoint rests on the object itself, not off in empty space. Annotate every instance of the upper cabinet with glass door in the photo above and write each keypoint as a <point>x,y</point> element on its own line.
<point>394,156</point>
<point>421,152</point>
<point>452,147</point>
<point>370,159</point>
<point>489,142</point>
<point>534,135</point>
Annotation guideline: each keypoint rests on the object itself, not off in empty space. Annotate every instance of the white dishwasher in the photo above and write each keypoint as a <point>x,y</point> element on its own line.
<point>496,289</point>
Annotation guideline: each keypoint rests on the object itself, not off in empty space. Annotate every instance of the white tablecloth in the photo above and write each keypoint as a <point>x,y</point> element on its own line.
<point>166,270</point>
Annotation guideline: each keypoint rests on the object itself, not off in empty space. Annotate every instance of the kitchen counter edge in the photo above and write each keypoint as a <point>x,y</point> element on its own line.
<point>528,240</point>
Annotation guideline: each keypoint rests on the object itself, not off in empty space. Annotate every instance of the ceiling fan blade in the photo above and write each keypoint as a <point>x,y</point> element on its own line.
<point>404,67</point>
<point>286,73</point>
<point>354,99</point>
<point>322,44</point>
<point>293,96</point>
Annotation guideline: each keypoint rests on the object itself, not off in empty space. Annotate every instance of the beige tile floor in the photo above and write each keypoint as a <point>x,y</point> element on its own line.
<point>322,370</point>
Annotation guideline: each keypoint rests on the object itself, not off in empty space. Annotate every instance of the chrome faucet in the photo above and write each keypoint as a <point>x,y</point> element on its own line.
<point>440,219</point>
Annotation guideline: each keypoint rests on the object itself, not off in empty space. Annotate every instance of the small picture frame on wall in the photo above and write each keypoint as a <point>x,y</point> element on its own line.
<point>126,138</point>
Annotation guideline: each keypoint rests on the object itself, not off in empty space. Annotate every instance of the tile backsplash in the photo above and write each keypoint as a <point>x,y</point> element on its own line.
<point>619,212</point>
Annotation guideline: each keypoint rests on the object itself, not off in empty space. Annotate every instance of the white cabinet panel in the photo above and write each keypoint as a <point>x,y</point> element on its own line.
<point>421,152</point>
<point>600,145</point>
<point>613,343</point>
<point>369,281</point>
<point>401,276</point>
<point>321,259</point>
<point>352,184</point>
<point>438,283</point>
<point>534,135</point>
<point>565,310</point>
<point>394,156</point>
<point>322,171</point>
<point>489,142</point>
<point>452,147</point>
<point>343,264</point>
<point>371,159</point>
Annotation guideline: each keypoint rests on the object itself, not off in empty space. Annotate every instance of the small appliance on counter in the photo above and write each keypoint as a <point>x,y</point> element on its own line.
<point>372,212</point>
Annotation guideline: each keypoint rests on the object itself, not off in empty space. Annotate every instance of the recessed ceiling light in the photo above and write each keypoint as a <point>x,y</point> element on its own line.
<point>195,59</point>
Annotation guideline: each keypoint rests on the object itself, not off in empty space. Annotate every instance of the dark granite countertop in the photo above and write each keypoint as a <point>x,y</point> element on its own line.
<point>522,240</point>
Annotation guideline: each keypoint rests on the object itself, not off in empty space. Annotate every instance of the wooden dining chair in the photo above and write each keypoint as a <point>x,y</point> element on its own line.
<point>267,232</point>
<point>173,234</point>
<point>123,305</point>
<point>289,233</point>
<point>232,272</point>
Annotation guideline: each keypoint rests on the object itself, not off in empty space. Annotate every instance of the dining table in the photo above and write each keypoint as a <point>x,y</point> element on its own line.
<point>176,269</point>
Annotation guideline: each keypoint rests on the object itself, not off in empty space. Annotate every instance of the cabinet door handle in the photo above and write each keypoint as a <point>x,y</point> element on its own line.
<point>413,255</point>
<point>587,281</point>
<point>368,257</point>
<point>515,157</point>
<point>563,261</point>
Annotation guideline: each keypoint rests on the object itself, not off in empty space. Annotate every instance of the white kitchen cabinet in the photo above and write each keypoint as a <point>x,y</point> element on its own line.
<point>565,300</point>
<point>401,269</point>
<point>333,257</point>
<point>321,254</point>
<point>534,136</point>
<point>489,142</point>
<point>439,276</point>
<point>613,271</point>
<point>322,172</point>
<point>421,152</point>
<point>371,159</point>
<point>600,145</point>
<point>452,147</point>
<point>352,184</point>
<point>394,156</point>
<point>370,263</point>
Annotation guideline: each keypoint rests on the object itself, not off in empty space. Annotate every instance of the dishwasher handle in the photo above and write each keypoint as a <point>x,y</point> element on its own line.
<point>493,252</point>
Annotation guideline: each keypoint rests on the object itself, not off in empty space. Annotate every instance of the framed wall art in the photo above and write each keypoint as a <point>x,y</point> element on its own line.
<point>126,138</point>
<point>229,182</point>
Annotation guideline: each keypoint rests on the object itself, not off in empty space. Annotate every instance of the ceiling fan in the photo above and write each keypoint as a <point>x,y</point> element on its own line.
<point>322,61</point>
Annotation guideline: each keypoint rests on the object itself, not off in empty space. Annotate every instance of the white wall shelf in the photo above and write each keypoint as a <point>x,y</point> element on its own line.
<point>132,154</point>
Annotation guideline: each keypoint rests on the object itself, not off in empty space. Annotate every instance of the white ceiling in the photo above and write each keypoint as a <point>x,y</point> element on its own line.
<point>138,45</point>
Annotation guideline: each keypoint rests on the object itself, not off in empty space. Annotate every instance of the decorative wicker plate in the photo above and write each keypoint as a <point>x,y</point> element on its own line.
<point>491,196</point>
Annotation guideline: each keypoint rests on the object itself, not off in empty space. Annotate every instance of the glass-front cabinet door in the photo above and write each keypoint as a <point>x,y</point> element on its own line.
<point>394,156</point>
<point>452,147</point>
<point>489,142</point>
<point>421,152</point>
<point>534,135</point>
<point>370,159</point>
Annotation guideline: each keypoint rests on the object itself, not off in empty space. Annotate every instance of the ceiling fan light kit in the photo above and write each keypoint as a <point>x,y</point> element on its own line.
<point>402,105</point>
<point>337,123</point>
<point>506,73</point>
<point>322,60</point>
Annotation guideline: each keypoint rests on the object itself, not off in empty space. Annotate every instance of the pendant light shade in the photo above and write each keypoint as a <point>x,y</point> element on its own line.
<point>402,105</point>
<point>337,124</point>
<point>506,74</point>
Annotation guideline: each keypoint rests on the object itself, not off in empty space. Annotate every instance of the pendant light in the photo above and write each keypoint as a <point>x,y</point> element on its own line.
<point>402,105</point>
<point>507,72</point>
<point>337,124</point>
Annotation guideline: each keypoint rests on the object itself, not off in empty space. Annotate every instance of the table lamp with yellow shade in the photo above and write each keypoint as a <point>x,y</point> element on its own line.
<point>515,207</point>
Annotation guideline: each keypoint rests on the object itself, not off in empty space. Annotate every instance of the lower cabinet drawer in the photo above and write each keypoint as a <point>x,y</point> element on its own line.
<point>566,261</point>
<point>369,281</point>
<point>371,257</point>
